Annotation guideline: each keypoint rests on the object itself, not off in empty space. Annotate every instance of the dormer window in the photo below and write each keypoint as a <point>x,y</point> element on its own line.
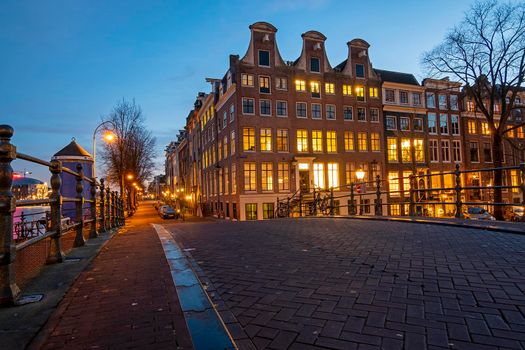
<point>264,58</point>
<point>360,70</point>
<point>315,64</point>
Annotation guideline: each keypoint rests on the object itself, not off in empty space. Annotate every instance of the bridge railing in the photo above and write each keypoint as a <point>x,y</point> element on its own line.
<point>25,250</point>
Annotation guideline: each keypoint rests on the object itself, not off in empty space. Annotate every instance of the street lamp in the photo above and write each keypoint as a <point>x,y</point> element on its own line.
<point>108,136</point>
<point>360,175</point>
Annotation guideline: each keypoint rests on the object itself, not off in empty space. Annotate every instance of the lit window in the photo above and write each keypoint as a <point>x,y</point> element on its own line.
<point>251,211</point>
<point>319,175</point>
<point>248,139</point>
<point>520,132</point>
<point>471,106</point>
<point>266,139</point>
<point>419,152</point>
<point>362,144</point>
<point>268,211</point>
<point>393,185</point>
<point>264,85</point>
<point>333,175</point>
<point>264,58</point>
<point>348,113</point>
<point>317,140</point>
<point>514,181</point>
<point>281,83</point>
<point>282,140</point>
<point>267,176</point>
<point>331,142</point>
<point>330,112</point>
<point>373,92</point>
<point>315,64</point>
<point>247,79</point>
<point>329,88</point>
<point>485,128</point>
<point>250,177</point>
<point>406,153</point>
<point>360,93</point>
<point>347,90</point>
<point>300,109</point>
<point>248,105</point>
<point>283,177</point>
<point>392,149</point>
<point>316,111</point>
<point>375,144</point>
<point>282,108</point>
<point>232,143</point>
<point>302,140</point>
<point>300,85</point>
<point>314,89</point>
<point>349,141</point>
<point>265,107</point>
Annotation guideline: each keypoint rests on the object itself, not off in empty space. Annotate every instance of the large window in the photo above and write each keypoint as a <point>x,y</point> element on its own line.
<point>282,140</point>
<point>454,124</point>
<point>281,83</point>
<point>329,88</point>
<point>373,92</point>
<point>472,126</point>
<point>392,149</point>
<point>485,128</point>
<point>360,93</point>
<point>315,89</point>
<point>374,115</point>
<point>454,102</point>
<point>234,179</point>
<point>317,141</point>
<point>315,64</point>
<point>474,151</point>
<point>404,123</point>
<point>333,175</point>
<point>316,111</point>
<point>266,139</point>
<point>330,112</point>
<point>349,141</point>
<point>442,101</point>
<point>443,124</point>
<point>264,58</point>
<point>406,151</point>
<point>359,70</point>
<point>445,151</point>
<point>250,177</point>
<point>282,108</point>
<point>302,140</point>
<point>264,84</point>
<point>268,211</point>
<point>283,176</point>
<point>431,100</point>
<point>300,85</point>
<point>403,97</point>
<point>331,142</point>
<point>432,123</point>
<point>251,211</point>
<point>456,150</point>
<point>300,109</point>
<point>433,150</point>
<point>265,107</point>
<point>267,176</point>
<point>348,113</point>
<point>419,152</point>
<point>248,105</point>
<point>393,183</point>
<point>247,79</point>
<point>319,175</point>
<point>375,145</point>
<point>347,90</point>
<point>390,96</point>
<point>390,122</point>
<point>248,139</point>
<point>361,114</point>
<point>362,143</point>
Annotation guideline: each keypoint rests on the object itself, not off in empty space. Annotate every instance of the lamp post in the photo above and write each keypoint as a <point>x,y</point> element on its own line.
<point>109,137</point>
<point>360,175</point>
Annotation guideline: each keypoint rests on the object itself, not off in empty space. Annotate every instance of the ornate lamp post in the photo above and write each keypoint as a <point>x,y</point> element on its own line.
<point>109,136</point>
<point>360,175</point>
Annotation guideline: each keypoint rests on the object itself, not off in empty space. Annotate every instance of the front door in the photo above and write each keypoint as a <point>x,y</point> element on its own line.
<point>304,180</point>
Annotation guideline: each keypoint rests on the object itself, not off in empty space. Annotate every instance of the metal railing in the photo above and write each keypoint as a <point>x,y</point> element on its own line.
<point>99,213</point>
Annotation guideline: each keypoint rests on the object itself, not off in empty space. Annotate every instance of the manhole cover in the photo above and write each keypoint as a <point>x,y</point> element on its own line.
<point>28,299</point>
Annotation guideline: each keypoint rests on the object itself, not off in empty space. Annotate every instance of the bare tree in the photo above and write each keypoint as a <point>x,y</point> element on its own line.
<point>134,148</point>
<point>486,52</point>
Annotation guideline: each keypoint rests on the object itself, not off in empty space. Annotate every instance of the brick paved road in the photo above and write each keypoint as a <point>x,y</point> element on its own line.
<point>344,284</point>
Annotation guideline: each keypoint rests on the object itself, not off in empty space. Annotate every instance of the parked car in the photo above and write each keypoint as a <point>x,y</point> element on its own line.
<point>477,213</point>
<point>167,212</point>
<point>515,213</point>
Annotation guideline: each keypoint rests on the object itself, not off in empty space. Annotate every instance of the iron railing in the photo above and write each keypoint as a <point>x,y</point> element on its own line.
<point>100,213</point>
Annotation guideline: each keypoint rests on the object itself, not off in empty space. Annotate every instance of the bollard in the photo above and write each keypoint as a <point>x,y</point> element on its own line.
<point>352,199</point>
<point>55,250</point>
<point>459,204</point>
<point>93,232</point>
<point>79,205</point>
<point>9,291</point>
<point>102,207</point>
<point>378,206</point>
<point>411,193</point>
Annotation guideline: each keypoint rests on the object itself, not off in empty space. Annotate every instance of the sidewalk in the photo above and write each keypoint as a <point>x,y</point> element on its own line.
<point>124,300</point>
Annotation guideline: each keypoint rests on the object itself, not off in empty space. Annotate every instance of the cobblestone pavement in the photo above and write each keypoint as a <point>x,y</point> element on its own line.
<point>352,284</point>
<point>125,300</point>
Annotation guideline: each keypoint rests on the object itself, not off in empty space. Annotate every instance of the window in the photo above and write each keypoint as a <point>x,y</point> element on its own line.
<point>406,152</point>
<point>474,151</point>
<point>361,114</point>
<point>360,93</point>
<point>375,145</point>
<point>432,126</point>
<point>232,143</point>
<point>374,115</point>
<point>487,152</point>
<point>282,108</point>
<point>267,176</point>
<point>266,139</point>
<point>300,109</point>
<point>314,89</point>
<point>485,128</point>
<point>347,90</point>
<point>333,175</point>
<point>282,140</point>
<point>264,85</point>
<point>330,112</point>
<point>416,99</point>
<point>349,141</point>
<point>264,58</point>
<point>431,100</point>
<point>281,83</point>
<point>390,122</point>
<point>359,71</point>
<point>300,85</point>
<point>302,140</point>
<point>403,97</point>
<point>247,80</point>
<point>393,186</point>
<point>373,92</point>
<point>283,176</point>
<point>443,124</point>
<point>390,96</point>
<point>392,149</point>
<point>433,148</point>
<point>251,211</point>
<point>472,126</point>
<point>265,107</point>
<point>250,177</point>
<point>329,88</point>
<point>316,111</point>
<point>418,124</point>
<point>319,175</point>
<point>331,142</point>
<point>419,153</point>
<point>445,151</point>
<point>362,142</point>
<point>317,141</point>
<point>471,106</point>
<point>348,113</point>
<point>520,132</point>
<point>442,101</point>
<point>234,179</point>
<point>232,113</point>
<point>226,180</point>
<point>224,119</point>
<point>220,150</point>
<point>454,124</point>
<point>248,105</point>
<point>268,212</point>
<point>454,102</point>
<point>315,64</point>
<point>225,143</point>
<point>248,139</point>
<point>404,123</point>
<point>456,151</point>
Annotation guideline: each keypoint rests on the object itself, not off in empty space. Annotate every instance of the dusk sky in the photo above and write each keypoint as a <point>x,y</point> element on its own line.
<point>65,64</point>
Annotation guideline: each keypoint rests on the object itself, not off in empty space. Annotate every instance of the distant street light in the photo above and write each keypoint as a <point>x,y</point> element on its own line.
<point>360,174</point>
<point>109,136</point>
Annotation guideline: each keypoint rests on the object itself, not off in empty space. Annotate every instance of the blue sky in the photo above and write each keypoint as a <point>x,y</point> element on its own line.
<point>64,64</point>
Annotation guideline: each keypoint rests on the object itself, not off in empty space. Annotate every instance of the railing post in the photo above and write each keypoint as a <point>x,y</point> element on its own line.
<point>288,211</point>
<point>108,209</point>
<point>9,290</point>
<point>120,212</point>
<point>522,186</point>
<point>79,237</point>
<point>412,193</point>
<point>378,206</point>
<point>102,207</point>
<point>459,204</point>
<point>300,204</point>
<point>55,250</point>
<point>352,199</point>
<point>114,209</point>
<point>331,201</point>
<point>94,232</point>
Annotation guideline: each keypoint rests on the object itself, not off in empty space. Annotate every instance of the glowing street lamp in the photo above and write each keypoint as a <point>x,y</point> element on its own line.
<point>360,174</point>
<point>109,136</point>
